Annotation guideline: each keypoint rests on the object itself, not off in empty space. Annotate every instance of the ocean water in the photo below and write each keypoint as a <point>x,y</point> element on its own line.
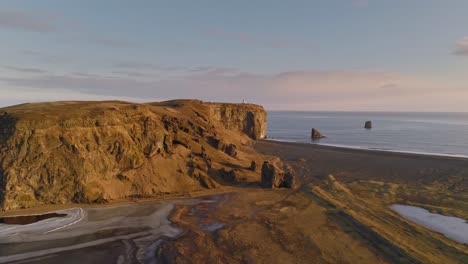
<point>427,133</point>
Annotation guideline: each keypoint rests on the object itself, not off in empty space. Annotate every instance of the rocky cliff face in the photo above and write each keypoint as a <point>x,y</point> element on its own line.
<point>248,118</point>
<point>54,153</point>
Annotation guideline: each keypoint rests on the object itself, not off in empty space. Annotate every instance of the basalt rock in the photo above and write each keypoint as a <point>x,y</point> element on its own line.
<point>276,175</point>
<point>253,165</point>
<point>231,150</point>
<point>228,175</point>
<point>315,134</point>
<point>63,152</point>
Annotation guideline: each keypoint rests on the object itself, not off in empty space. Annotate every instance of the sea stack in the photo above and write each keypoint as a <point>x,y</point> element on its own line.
<point>368,125</point>
<point>315,134</point>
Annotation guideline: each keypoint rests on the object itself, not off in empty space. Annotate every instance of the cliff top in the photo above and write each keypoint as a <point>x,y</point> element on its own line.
<point>71,109</point>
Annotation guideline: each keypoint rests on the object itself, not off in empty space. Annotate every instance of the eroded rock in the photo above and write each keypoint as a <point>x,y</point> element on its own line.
<point>315,134</point>
<point>275,176</point>
<point>231,150</point>
<point>253,165</point>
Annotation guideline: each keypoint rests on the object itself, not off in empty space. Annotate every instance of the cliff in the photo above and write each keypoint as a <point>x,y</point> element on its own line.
<point>247,118</point>
<point>84,152</point>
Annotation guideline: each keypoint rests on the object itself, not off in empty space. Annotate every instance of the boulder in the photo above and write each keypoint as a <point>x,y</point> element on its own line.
<point>231,150</point>
<point>275,177</point>
<point>228,175</point>
<point>368,125</point>
<point>315,134</point>
<point>253,166</point>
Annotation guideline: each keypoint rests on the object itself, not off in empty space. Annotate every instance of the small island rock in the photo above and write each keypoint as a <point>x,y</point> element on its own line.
<point>315,134</point>
<point>368,125</point>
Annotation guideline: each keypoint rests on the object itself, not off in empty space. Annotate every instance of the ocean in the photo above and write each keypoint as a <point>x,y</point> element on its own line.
<point>443,134</point>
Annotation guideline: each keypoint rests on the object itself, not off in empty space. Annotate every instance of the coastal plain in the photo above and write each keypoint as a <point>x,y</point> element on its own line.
<point>183,182</point>
<point>340,214</point>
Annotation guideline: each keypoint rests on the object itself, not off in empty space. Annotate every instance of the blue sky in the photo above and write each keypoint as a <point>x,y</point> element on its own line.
<point>362,55</point>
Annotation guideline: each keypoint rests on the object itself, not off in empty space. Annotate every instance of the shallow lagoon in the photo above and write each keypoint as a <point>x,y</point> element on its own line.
<point>452,227</point>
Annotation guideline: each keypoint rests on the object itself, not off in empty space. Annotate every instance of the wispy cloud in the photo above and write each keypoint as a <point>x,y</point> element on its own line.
<point>24,70</point>
<point>40,22</point>
<point>25,21</point>
<point>462,47</point>
<point>85,74</point>
<point>133,74</point>
<point>44,57</point>
<point>145,68</point>
<point>319,90</point>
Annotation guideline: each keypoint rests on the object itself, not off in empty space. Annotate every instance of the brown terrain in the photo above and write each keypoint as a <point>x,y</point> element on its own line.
<point>327,205</point>
<point>94,152</point>
<point>344,218</point>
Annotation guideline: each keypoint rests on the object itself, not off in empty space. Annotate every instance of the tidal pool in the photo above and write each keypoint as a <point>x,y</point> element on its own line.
<point>452,227</point>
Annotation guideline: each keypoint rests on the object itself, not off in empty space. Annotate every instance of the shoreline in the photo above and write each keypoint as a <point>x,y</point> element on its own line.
<point>369,150</point>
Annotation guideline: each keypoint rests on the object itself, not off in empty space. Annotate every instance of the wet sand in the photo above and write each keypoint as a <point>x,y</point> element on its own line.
<point>124,233</point>
<point>360,163</point>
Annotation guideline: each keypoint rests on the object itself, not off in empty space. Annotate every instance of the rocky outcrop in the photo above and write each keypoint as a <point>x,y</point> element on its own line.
<point>253,165</point>
<point>277,175</point>
<point>368,125</point>
<point>248,118</point>
<point>84,152</point>
<point>231,150</point>
<point>315,134</point>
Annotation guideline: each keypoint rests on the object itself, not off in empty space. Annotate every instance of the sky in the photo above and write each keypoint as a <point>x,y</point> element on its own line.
<point>323,55</point>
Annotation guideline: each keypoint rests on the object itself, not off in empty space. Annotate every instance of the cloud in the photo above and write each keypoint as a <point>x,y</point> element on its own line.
<point>147,66</point>
<point>24,70</point>
<point>294,90</point>
<point>136,68</point>
<point>20,20</point>
<point>44,57</point>
<point>133,74</point>
<point>28,95</point>
<point>85,74</point>
<point>462,47</point>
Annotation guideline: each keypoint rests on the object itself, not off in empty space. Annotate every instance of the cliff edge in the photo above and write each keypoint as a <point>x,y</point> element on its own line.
<point>91,152</point>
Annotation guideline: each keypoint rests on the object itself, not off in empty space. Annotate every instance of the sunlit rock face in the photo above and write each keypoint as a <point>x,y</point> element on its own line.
<point>62,152</point>
<point>248,118</point>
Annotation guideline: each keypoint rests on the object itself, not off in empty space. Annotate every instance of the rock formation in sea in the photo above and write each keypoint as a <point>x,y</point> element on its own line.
<point>315,134</point>
<point>90,152</point>
<point>368,125</point>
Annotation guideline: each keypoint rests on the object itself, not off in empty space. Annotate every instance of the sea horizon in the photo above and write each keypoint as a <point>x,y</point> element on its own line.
<point>426,133</point>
